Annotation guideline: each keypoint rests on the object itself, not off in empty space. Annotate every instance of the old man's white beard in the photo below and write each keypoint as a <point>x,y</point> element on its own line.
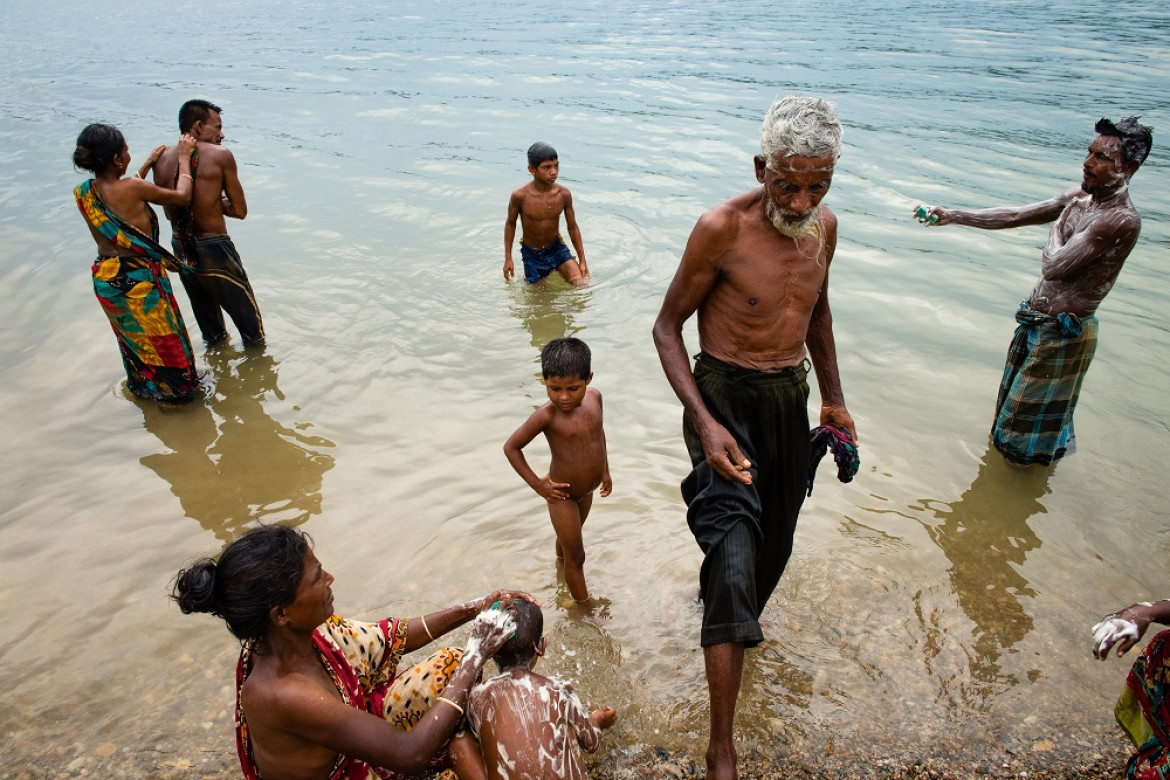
<point>793,230</point>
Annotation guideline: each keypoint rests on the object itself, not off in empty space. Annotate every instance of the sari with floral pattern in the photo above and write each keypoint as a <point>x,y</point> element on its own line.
<point>362,660</point>
<point>135,293</point>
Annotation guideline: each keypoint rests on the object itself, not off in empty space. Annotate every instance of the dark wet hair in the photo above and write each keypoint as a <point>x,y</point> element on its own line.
<point>568,357</point>
<point>540,152</point>
<point>196,111</point>
<point>1136,139</point>
<point>520,648</point>
<point>258,571</point>
<point>97,146</point>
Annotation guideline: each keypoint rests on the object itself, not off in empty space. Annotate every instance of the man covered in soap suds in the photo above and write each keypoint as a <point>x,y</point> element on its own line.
<point>1095,226</point>
<point>531,727</point>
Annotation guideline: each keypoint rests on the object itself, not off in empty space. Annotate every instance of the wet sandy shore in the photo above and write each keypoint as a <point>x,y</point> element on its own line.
<point>1067,757</point>
<point>1094,765</point>
<point>190,736</point>
<point>159,765</point>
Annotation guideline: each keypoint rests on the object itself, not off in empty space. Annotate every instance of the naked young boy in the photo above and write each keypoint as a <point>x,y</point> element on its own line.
<point>571,422</point>
<point>531,727</point>
<point>539,205</point>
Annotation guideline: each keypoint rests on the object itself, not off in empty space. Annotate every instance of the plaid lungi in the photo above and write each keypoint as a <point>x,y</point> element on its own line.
<point>1042,378</point>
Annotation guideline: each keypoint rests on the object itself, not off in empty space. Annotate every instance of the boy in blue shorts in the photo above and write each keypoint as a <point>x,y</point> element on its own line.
<point>539,204</point>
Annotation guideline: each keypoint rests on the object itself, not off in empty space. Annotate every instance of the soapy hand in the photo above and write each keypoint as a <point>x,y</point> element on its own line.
<point>1111,632</point>
<point>489,632</point>
<point>1125,628</point>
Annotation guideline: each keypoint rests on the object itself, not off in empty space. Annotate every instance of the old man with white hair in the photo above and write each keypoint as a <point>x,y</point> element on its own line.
<point>756,270</point>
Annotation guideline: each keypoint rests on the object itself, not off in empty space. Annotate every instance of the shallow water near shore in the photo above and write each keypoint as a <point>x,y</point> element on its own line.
<point>942,597</point>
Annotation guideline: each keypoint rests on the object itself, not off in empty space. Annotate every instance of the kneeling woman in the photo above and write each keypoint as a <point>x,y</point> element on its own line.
<point>319,696</point>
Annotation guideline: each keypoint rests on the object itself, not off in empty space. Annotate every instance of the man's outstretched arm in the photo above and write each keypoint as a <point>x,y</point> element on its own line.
<point>1000,217</point>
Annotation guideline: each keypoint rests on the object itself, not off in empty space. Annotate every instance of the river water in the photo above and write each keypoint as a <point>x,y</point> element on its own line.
<point>941,597</point>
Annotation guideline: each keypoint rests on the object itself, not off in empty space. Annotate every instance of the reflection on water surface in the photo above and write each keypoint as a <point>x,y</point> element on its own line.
<point>230,464</point>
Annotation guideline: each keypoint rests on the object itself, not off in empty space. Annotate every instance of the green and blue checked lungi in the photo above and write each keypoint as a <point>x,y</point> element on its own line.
<point>1046,365</point>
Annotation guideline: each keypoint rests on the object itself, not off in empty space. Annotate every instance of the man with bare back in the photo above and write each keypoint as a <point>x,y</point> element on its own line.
<point>756,270</point>
<point>539,205</point>
<point>200,231</point>
<point>1096,227</point>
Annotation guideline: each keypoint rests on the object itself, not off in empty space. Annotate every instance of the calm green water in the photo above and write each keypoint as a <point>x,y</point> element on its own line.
<point>378,143</point>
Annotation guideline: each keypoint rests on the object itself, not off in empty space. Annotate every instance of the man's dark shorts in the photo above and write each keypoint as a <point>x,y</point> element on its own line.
<point>539,263</point>
<point>220,284</point>
<point>745,531</point>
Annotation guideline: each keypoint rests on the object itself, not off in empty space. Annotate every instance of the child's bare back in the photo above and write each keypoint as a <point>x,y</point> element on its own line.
<point>532,727</point>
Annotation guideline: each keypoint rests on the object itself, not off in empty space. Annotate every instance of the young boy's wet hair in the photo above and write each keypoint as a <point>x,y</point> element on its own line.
<point>520,648</point>
<point>540,152</point>
<point>567,357</point>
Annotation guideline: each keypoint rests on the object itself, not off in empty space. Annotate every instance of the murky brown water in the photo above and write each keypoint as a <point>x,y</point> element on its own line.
<point>940,598</point>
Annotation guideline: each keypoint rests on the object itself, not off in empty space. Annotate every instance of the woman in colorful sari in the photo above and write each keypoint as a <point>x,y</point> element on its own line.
<point>128,275</point>
<point>321,696</point>
<point>1144,707</point>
